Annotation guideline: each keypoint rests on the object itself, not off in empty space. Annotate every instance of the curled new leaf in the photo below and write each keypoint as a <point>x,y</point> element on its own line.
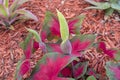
<point>36,35</point>
<point>66,47</point>
<point>38,40</point>
<point>63,26</point>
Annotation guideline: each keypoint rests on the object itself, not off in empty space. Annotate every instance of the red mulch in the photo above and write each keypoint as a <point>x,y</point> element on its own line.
<point>108,31</point>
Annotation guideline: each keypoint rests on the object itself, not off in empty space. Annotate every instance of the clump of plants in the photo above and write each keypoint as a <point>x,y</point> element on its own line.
<point>11,14</point>
<point>64,47</point>
<point>109,6</point>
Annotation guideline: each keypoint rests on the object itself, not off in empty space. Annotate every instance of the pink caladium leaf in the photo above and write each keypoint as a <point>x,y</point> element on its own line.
<point>25,67</point>
<point>43,36</point>
<point>40,45</point>
<point>113,70</point>
<point>110,52</point>
<point>22,68</point>
<point>55,27</point>
<point>35,45</point>
<point>80,69</point>
<point>51,67</point>
<point>78,47</point>
<point>56,48</point>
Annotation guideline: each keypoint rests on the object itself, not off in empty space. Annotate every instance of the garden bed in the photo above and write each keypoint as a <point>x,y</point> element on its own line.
<point>95,22</point>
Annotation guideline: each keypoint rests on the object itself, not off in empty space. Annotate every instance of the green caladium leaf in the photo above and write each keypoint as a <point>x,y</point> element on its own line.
<point>98,5</point>
<point>91,78</point>
<point>92,2</point>
<point>26,14</point>
<point>63,26</point>
<point>113,70</point>
<point>3,10</point>
<point>6,3</point>
<point>115,6</point>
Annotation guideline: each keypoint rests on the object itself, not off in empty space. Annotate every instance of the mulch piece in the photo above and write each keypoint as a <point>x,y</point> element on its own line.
<point>95,22</point>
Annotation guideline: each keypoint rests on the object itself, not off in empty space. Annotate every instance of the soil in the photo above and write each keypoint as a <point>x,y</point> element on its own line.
<point>108,30</point>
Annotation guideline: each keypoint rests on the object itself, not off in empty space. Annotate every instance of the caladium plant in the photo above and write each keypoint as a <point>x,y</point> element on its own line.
<point>112,53</point>
<point>60,57</point>
<point>10,14</point>
<point>109,6</point>
<point>51,26</point>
